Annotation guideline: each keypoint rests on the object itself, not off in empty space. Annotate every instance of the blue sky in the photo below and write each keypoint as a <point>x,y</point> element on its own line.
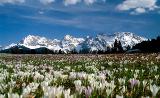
<point>56,18</point>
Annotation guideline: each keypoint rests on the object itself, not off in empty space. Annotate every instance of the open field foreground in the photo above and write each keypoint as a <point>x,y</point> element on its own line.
<point>80,76</point>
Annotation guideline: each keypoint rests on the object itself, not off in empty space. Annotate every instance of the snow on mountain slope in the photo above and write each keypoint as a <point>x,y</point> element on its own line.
<point>10,46</point>
<point>102,41</point>
<point>34,42</point>
<point>127,38</point>
<point>93,44</point>
<point>68,43</point>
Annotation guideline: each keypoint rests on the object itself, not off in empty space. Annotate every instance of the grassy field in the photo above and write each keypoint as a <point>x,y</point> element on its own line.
<point>80,76</point>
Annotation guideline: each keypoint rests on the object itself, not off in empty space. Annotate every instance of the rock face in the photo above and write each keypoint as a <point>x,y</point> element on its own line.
<point>69,43</point>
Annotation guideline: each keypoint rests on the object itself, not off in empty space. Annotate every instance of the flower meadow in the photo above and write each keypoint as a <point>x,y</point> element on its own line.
<point>80,76</point>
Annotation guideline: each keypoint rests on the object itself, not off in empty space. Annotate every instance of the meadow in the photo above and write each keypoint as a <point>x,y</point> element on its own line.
<point>80,76</point>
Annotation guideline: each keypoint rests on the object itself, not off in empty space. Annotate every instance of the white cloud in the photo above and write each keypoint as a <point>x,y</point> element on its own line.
<point>71,2</point>
<point>45,2</point>
<point>41,12</point>
<point>138,6</point>
<point>140,10</point>
<point>11,1</point>
<point>88,2</point>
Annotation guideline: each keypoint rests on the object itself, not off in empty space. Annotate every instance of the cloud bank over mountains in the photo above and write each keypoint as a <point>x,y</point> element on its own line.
<point>138,6</point>
<point>65,2</point>
<point>11,1</point>
<point>87,2</point>
<point>45,2</point>
<point>134,6</point>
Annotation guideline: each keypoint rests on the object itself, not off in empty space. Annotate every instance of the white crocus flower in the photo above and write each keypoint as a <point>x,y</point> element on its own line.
<point>144,83</point>
<point>72,75</point>
<point>67,93</point>
<point>123,89</point>
<point>121,81</point>
<point>150,81</point>
<point>135,75</point>
<point>101,76</point>
<point>110,63</point>
<point>143,71</point>
<point>77,83</point>
<point>154,89</point>
<point>108,91</point>
<point>109,88</point>
<point>54,92</point>
<point>78,86</point>
<point>157,77</point>
<point>2,96</point>
<point>64,76</point>
<point>82,75</point>
<point>117,96</point>
<point>26,91</point>
<point>10,95</point>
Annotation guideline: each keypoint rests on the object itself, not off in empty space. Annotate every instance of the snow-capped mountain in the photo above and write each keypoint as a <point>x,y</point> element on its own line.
<point>103,41</point>
<point>68,43</point>
<point>9,46</point>
<point>128,38</point>
<point>34,42</point>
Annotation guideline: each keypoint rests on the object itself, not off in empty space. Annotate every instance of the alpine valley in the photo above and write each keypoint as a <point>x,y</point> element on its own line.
<point>69,43</point>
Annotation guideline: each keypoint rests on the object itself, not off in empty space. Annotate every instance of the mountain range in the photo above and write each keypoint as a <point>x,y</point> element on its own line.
<point>69,43</point>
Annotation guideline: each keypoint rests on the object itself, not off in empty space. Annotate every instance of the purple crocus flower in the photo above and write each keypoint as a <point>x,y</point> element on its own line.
<point>134,82</point>
<point>88,92</point>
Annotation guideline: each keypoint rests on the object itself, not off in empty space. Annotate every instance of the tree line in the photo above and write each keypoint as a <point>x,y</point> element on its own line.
<point>149,46</point>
